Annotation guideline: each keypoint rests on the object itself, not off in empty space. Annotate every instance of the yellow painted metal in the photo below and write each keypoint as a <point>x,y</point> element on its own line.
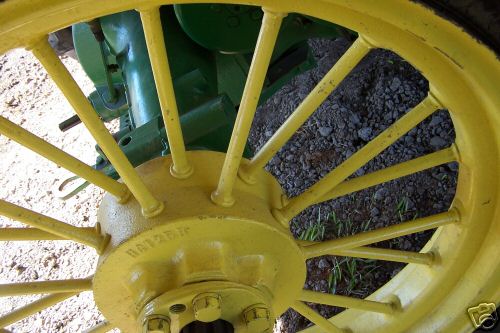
<point>103,327</point>
<point>317,96</point>
<point>316,318</point>
<point>31,234</point>
<point>384,175</point>
<point>63,79</point>
<point>56,155</point>
<point>271,23</point>
<point>433,297</point>
<point>378,235</point>
<point>194,240</point>
<point>153,33</point>
<point>51,225</point>
<point>386,254</point>
<point>358,159</point>
<point>45,287</point>
<point>346,302</point>
<point>34,307</point>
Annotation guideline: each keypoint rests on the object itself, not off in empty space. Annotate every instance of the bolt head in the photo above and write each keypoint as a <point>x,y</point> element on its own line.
<point>156,324</point>
<point>257,318</point>
<point>207,307</point>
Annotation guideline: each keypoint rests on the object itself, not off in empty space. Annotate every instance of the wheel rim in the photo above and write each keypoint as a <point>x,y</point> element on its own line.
<point>468,270</point>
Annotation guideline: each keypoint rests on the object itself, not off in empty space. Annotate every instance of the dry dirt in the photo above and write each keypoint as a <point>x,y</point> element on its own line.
<point>29,98</point>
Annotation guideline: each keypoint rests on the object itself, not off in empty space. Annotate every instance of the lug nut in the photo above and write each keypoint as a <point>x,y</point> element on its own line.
<point>156,324</point>
<point>257,318</point>
<point>206,307</point>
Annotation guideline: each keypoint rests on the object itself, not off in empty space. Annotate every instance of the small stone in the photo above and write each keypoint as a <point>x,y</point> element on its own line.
<point>395,84</point>
<point>381,193</point>
<point>436,120</point>
<point>298,182</point>
<point>453,166</point>
<point>268,133</point>
<point>275,161</point>
<point>323,263</point>
<point>360,172</point>
<point>325,131</point>
<point>365,133</point>
<point>354,119</point>
<point>409,140</point>
<point>374,212</point>
<point>438,142</point>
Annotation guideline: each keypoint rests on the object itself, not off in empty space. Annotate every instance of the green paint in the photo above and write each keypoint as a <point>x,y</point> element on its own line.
<point>209,51</point>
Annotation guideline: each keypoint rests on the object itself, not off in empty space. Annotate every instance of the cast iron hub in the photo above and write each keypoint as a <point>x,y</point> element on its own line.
<point>241,255</point>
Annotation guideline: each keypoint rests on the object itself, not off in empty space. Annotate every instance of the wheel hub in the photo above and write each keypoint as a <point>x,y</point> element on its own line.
<point>160,266</point>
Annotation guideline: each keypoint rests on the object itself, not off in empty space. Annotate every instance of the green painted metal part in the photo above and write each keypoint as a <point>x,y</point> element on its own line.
<point>208,66</point>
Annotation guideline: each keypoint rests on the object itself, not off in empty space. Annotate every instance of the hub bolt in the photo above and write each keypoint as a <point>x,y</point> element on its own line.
<point>257,318</point>
<point>206,307</point>
<point>156,324</point>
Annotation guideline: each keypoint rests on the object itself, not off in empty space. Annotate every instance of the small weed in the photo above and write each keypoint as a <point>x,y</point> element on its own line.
<point>366,225</point>
<point>347,227</point>
<point>335,277</point>
<point>314,232</point>
<point>349,273</point>
<point>402,208</point>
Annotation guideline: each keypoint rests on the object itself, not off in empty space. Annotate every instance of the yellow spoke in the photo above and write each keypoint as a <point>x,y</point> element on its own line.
<point>63,79</point>
<point>315,318</point>
<point>34,234</point>
<point>45,287</point>
<point>53,226</point>
<point>346,302</point>
<point>155,42</point>
<point>357,160</point>
<point>317,96</point>
<point>103,327</point>
<point>386,254</point>
<point>56,155</point>
<point>378,235</point>
<point>269,29</point>
<point>33,308</point>
<point>399,170</point>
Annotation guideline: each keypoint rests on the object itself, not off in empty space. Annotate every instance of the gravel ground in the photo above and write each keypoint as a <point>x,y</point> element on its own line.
<point>381,89</point>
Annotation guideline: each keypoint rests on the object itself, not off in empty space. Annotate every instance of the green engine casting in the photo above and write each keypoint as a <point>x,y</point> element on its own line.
<point>209,50</point>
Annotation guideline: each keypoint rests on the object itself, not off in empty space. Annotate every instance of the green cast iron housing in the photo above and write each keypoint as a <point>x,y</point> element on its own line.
<point>209,50</point>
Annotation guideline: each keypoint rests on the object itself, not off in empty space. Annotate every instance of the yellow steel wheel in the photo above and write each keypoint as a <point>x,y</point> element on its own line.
<point>247,283</point>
